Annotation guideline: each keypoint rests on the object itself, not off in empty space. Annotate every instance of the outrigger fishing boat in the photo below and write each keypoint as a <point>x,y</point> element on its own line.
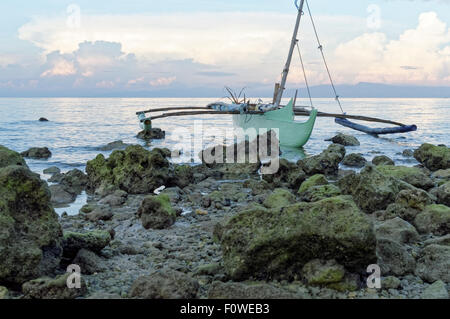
<point>262,116</point>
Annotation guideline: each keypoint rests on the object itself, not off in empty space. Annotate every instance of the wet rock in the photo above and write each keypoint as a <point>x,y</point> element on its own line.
<point>397,230</point>
<point>289,175</point>
<point>434,219</point>
<point>411,175</point>
<point>354,160</point>
<point>30,235</point>
<point>4,293</point>
<point>371,189</point>
<point>258,187</point>
<point>61,194</point>
<point>48,288</point>
<point>408,153</point>
<point>322,272</point>
<point>433,263</point>
<point>279,198</point>
<point>317,193</point>
<point>433,157</point>
<point>183,175</point>
<point>443,174</point>
<point>264,243</point>
<point>37,153</point>
<point>52,170</point>
<point>89,262</point>
<point>242,291</point>
<point>350,282</point>
<point>165,284</point>
<point>346,140</point>
<point>74,179</point>
<point>390,282</point>
<point>315,180</point>
<point>134,170</point>
<point>117,199</point>
<point>444,241</point>
<point>94,241</point>
<point>152,134</point>
<point>326,163</point>
<point>99,214</point>
<point>443,194</point>
<point>116,145</point>
<point>156,212</point>
<point>438,290</point>
<point>382,160</point>
<point>43,119</point>
<point>394,258</point>
<point>9,157</point>
<point>209,269</point>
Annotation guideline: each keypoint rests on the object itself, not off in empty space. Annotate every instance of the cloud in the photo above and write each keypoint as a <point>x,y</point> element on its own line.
<point>163,81</point>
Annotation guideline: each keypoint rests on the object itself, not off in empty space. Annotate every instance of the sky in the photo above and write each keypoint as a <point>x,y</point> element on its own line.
<point>197,47</point>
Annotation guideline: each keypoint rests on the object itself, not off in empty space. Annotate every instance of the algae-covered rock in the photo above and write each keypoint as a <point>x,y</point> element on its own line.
<point>156,212</point>
<point>95,241</point>
<point>317,193</point>
<point>354,160</point>
<point>53,288</point>
<point>4,293</point>
<point>394,258</point>
<point>346,140</point>
<point>443,194</point>
<point>134,170</point>
<point>263,243</point>
<point>288,175</point>
<point>411,175</point>
<point>183,175</point>
<point>279,198</point>
<point>433,263</point>
<point>30,234</point>
<point>37,153</point>
<point>252,290</point>
<point>382,160</point>
<point>433,157</point>
<point>437,290</point>
<point>315,180</point>
<point>9,157</point>
<point>434,219</point>
<point>165,284</point>
<point>371,189</point>
<point>325,163</point>
<point>322,272</point>
<point>152,134</point>
<point>397,230</point>
<point>116,145</point>
<point>74,179</point>
<point>61,194</point>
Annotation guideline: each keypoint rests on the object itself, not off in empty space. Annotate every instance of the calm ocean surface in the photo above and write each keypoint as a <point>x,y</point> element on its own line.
<point>78,126</point>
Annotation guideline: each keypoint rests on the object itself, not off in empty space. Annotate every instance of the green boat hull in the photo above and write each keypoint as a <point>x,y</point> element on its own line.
<point>291,132</point>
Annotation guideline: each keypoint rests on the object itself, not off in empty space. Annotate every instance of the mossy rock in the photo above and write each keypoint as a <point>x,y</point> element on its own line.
<point>411,175</point>
<point>156,212</point>
<point>272,243</point>
<point>53,288</point>
<point>433,157</point>
<point>315,180</point>
<point>351,282</point>
<point>288,175</point>
<point>434,219</point>
<point>326,163</point>
<point>382,160</point>
<point>30,235</point>
<point>443,194</point>
<point>322,272</point>
<point>94,240</point>
<point>279,198</point>
<point>9,157</point>
<point>4,293</point>
<point>317,193</point>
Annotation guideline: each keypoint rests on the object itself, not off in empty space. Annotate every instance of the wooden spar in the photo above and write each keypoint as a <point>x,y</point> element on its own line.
<point>291,52</point>
<point>375,131</point>
<point>178,108</point>
<point>297,112</point>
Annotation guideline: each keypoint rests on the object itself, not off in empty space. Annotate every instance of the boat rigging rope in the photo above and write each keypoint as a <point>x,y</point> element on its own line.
<point>323,56</point>
<point>304,73</point>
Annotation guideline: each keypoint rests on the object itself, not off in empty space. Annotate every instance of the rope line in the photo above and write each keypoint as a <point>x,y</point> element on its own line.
<point>304,73</point>
<point>324,59</point>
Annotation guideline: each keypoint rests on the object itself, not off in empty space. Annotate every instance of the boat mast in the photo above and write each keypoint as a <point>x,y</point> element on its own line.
<point>291,52</point>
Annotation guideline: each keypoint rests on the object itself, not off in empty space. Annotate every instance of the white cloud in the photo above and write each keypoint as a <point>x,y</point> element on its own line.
<point>163,81</point>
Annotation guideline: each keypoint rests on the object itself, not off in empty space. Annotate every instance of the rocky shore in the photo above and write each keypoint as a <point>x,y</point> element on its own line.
<point>225,231</point>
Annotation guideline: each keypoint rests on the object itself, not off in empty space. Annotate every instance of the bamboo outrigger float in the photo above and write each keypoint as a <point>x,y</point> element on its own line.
<point>274,116</point>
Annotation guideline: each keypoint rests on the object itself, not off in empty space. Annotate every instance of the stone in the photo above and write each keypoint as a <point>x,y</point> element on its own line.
<point>443,194</point>
<point>89,262</point>
<point>350,282</point>
<point>152,134</point>
<point>315,180</point>
<point>411,175</point>
<point>382,160</point>
<point>165,284</point>
<point>444,241</point>
<point>265,244</point>
<point>397,230</point>
<point>61,194</point>
<point>201,212</point>
<point>442,174</point>
<point>434,219</point>
<point>279,198</point>
<point>156,212</point>
<point>394,258</point>
<point>49,288</point>
<point>346,140</point>
<point>326,163</point>
<point>433,157</point>
<point>433,263</point>
<point>258,187</point>
<point>390,282</point>
<point>118,198</point>
<point>354,160</point>
<point>43,119</point>
<point>437,290</point>
<point>74,179</point>
<point>30,234</point>
<point>99,214</point>
<point>93,240</point>
<point>4,293</point>
<point>408,153</point>
<point>288,175</point>
<point>37,153</point>
<point>322,272</point>
<point>209,269</point>
<point>116,145</point>
<point>183,175</point>
<point>317,193</point>
<point>245,291</point>
<point>371,189</point>
<point>133,170</point>
<point>52,170</point>
<point>9,157</point>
